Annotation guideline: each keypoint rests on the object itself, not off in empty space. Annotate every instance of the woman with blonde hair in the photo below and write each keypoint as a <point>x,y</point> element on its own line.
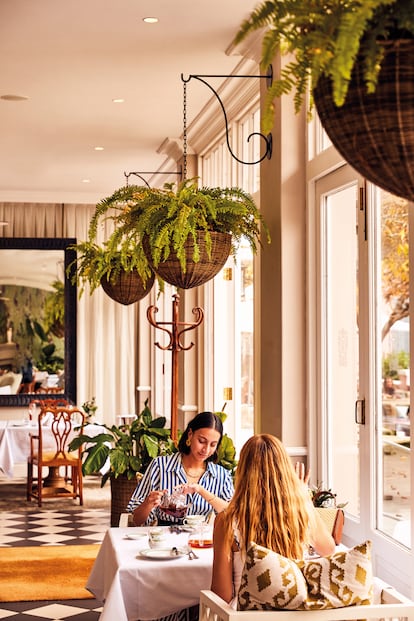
<point>270,506</point>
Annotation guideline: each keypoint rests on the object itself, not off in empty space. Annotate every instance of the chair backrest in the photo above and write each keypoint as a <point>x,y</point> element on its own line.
<point>64,422</point>
<point>36,406</point>
<point>334,519</point>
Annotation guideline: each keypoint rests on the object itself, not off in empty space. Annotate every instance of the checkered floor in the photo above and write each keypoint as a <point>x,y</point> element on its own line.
<point>48,527</point>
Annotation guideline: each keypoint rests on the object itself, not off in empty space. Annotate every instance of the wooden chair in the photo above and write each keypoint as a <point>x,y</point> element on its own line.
<point>388,605</point>
<point>49,449</point>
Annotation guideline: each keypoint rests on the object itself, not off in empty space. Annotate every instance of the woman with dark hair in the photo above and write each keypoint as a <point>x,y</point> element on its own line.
<point>192,470</point>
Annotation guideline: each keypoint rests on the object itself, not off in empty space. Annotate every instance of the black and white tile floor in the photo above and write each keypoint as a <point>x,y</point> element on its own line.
<point>52,527</point>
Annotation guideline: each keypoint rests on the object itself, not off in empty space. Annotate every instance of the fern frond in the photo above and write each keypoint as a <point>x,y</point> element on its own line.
<point>325,38</point>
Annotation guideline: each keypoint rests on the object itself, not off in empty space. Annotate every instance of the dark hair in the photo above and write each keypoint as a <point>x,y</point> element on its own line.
<point>203,420</point>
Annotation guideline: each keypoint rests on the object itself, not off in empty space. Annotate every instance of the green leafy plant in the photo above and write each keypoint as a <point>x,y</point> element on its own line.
<point>129,448</point>
<point>54,309</point>
<point>46,354</point>
<point>322,497</point>
<point>169,216</point>
<point>393,362</point>
<point>324,38</point>
<point>227,450</point>
<point>96,262</point>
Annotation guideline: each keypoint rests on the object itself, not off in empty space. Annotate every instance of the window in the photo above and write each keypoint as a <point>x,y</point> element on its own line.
<point>232,289</point>
<point>393,369</point>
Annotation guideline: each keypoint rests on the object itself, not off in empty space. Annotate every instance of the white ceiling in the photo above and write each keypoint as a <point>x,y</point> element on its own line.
<point>71,58</point>
<point>16,267</point>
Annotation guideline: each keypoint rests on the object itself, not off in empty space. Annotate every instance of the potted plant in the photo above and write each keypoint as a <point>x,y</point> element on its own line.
<point>329,510</point>
<point>358,60</point>
<point>123,453</point>
<point>121,270</point>
<point>185,233</point>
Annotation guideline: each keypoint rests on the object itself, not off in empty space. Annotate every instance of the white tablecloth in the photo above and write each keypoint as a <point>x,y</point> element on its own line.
<point>15,442</point>
<point>134,587</point>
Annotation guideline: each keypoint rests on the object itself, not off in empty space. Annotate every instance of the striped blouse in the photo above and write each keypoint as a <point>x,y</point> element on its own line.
<point>167,472</point>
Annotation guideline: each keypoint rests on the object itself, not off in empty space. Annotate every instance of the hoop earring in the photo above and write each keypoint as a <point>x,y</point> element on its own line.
<point>188,442</point>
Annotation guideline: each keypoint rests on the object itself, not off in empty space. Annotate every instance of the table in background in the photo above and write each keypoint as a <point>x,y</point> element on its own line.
<point>135,587</point>
<point>15,442</point>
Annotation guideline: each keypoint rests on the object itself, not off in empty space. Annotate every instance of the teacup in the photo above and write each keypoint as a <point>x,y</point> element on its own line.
<point>156,538</point>
<point>193,520</point>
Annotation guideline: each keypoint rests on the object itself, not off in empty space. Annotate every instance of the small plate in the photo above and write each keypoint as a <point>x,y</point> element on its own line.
<point>135,535</point>
<point>162,553</point>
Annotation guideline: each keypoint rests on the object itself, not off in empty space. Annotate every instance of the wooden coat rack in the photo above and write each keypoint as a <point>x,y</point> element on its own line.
<point>175,345</point>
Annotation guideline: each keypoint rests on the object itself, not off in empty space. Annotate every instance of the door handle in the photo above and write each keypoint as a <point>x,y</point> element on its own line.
<point>360,411</point>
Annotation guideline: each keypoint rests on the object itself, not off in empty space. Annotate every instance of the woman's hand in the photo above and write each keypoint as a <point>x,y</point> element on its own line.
<point>302,474</point>
<point>189,488</point>
<point>143,510</point>
<point>154,498</point>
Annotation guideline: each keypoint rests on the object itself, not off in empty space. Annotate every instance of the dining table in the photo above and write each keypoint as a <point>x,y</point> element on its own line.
<point>15,441</point>
<point>136,581</point>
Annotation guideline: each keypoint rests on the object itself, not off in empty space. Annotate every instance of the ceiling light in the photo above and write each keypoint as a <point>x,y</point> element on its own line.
<point>150,20</point>
<point>86,180</point>
<point>118,100</point>
<point>98,148</point>
<point>14,97</point>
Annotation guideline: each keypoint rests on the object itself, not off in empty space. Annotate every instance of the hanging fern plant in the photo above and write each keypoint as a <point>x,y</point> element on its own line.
<point>152,224</point>
<point>325,38</point>
<point>170,216</point>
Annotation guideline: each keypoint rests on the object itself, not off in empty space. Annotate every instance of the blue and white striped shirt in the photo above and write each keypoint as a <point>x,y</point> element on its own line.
<point>167,472</point>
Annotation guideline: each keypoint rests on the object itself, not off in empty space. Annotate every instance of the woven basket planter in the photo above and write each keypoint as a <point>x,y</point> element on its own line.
<point>122,489</point>
<point>196,273</point>
<point>375,133</point>
<point>128,288</point>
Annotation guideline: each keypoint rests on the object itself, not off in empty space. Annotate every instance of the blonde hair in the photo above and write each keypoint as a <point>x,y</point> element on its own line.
<point>269,505</point>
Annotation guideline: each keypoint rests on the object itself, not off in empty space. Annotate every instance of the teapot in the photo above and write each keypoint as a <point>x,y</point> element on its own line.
<point>174,504</point>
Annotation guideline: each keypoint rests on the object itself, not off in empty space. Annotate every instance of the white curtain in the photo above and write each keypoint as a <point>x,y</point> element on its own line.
<point>106,330</point>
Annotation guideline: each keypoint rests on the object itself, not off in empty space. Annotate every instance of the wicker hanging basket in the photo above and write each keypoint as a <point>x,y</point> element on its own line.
<point>122,489</point>
<point>375,132</point>
<point>196,273</point>
<point>128,288</point>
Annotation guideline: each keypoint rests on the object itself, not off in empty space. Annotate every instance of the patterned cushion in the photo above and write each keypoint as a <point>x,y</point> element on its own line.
<point>271,581</point>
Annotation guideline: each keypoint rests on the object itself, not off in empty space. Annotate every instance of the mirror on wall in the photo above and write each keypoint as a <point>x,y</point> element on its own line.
<point>37,320</point>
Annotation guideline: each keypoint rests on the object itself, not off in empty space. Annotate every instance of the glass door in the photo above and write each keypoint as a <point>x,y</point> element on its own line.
<point>341,411</point>
<point>362,357</point>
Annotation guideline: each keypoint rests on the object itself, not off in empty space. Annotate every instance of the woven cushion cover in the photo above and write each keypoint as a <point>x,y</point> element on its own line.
<point>271,581</point>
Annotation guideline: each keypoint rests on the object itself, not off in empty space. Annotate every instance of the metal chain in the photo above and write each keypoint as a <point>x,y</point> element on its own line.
<point>184,130</point>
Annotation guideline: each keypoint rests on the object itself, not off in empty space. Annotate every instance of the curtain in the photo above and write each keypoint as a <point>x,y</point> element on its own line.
<point>106,330</point>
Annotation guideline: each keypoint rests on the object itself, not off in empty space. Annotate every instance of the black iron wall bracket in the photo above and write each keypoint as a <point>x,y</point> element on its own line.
<point>267,140</point>
<point>153,172</point>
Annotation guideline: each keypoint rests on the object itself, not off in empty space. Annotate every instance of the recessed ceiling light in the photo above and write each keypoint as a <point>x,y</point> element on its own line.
<point>118,100</point>
<point>14,97</point>
<point>98,148</point>
<point>86,180</point>
<point>150,20</point>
